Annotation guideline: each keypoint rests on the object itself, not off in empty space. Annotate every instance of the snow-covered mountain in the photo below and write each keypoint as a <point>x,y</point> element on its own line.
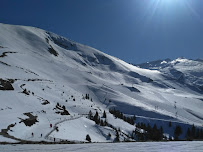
<point>187,71</point>
<point>48,85</point>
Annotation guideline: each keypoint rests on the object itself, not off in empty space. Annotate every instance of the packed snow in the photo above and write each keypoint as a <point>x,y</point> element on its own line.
<point>195,146</point>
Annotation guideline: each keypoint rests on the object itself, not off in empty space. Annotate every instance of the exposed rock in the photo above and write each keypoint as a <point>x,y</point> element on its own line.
<point>6,84</point>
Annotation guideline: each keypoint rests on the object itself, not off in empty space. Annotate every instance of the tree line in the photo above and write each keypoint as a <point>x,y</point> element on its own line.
<point>118,114</point>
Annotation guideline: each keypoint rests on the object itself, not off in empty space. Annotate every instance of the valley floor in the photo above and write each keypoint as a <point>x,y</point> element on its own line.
<point>180,146</point>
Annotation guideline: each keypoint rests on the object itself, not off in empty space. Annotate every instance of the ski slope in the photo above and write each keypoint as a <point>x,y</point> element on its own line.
<point>45,69</point>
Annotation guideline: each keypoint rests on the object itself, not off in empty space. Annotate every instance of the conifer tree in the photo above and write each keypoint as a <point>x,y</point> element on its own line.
<point>96,118</point>
<point>90,115</point>
<point>104,114</point>
<point>88,138</point>
<point>193,131</point>
<point>188,134</point>
<point>101,122</point>
<point>169,124</point>
<point>177,132</point>
<point>105,123</point>
<point>117,137</point>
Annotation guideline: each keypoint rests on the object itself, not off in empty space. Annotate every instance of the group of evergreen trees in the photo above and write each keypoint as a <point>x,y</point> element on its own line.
<point>87,96</point>
<point>194,133</point>
<point>96,118</point>
<point>120,115</point>
<point>103,122</point>
<point>150,133</point>
<point>191,134</point>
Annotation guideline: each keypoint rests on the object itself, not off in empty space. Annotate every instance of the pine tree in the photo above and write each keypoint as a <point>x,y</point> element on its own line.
<point>132,121</point>
<point>88,138</point>
<point>90,115</point>
<point>101,122</point>
<point>201,134</point>
<point>105,123</point>
<point>104,114</point>
<point>154,127</point>
<point>160,133</point>
<point>64,108</point>
<point>169,124</point>
<point>193,132</point>
<point>155,134</point>
<point>188,134</point>
<point>134,117</point>
<point>132,135</point>
<point>138,125</point>
<point>149,132</point>
<point>109,135</point>
<point>177,132</point>
<point>197,135</point>
<point>96,118</point>
<point>117,137</point>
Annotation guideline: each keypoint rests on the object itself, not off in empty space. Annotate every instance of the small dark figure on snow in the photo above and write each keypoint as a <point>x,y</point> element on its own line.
<point>32,134</point>
<point>50,125</point>
<point>41,135</point>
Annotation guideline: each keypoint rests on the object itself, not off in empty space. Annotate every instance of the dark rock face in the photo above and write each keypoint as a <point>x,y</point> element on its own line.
<point>6,84</point>
<point>52,51</point>
<point>29,121</point>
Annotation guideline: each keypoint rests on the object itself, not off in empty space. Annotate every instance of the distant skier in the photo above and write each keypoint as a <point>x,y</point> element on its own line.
<point>32,134</point>
<point>41,135</point>
<point>50,125</point>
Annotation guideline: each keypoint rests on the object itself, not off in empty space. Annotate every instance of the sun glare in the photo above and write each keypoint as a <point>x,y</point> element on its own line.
<point>170,6</point>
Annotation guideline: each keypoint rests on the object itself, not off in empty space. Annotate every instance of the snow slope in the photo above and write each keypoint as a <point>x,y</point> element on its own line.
<point>186,146</point>
<point>41,72</point>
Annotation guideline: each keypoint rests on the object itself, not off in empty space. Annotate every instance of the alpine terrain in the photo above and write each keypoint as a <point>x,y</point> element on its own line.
<point>53,89</point>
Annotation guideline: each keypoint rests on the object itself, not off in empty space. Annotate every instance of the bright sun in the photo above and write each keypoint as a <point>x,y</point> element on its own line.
<point>170,6</point>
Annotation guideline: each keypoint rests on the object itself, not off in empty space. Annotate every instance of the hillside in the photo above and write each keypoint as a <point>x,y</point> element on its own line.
<point>48,79</point>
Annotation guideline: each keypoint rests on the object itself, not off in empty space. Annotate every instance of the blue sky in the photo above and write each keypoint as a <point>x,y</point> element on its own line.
<point>133,30</point>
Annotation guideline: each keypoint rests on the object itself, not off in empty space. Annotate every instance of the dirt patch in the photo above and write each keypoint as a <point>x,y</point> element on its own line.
<point>29,121</point>
<point>6,84</point>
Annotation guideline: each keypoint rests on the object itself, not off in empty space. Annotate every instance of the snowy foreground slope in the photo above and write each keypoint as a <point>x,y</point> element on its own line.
<point>45,78</point>
<point>187,146</point>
